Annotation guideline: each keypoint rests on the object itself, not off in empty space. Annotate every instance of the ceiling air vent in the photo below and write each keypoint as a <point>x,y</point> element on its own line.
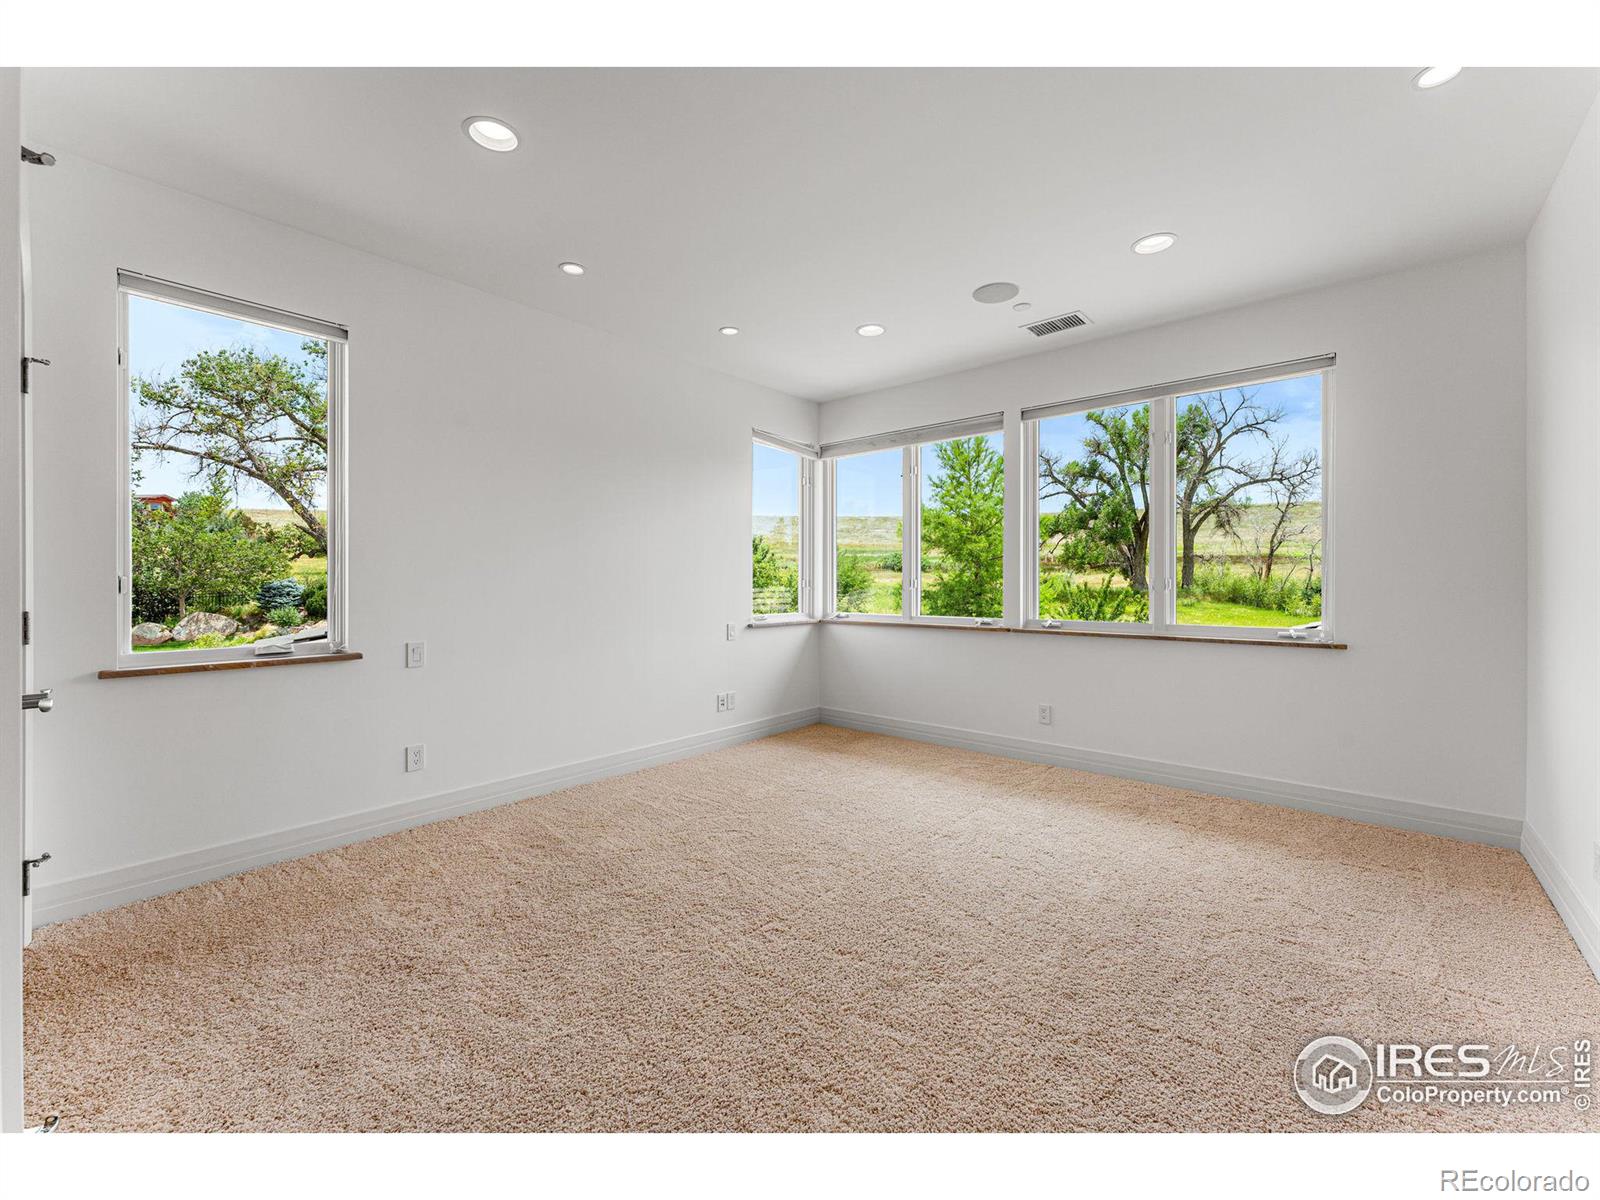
<point>1071,320</point>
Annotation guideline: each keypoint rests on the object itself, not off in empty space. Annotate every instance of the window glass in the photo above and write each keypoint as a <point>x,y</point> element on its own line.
<point>1094,515</point>
<point>775,531</point>
<point>1247,529</point>
<point>868,533</point>
<point>228,466</point>
<point>963,527</point>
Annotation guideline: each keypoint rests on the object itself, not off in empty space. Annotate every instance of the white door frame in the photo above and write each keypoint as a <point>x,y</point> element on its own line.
<point>13,931</point>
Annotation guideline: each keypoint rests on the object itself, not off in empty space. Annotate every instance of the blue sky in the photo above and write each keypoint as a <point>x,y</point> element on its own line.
<point>160,337</point>
<point>775,482</point>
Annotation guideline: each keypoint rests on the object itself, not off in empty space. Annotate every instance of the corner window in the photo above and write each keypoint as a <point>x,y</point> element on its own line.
<point>231,517</point>
<point>917,521</point>
<point>780,488</point>
<point>869,533</point>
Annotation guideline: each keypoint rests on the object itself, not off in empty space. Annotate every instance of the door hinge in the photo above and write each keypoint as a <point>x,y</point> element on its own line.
<point>27,627</point>
<point>28,864</point>
<point>27,369</point>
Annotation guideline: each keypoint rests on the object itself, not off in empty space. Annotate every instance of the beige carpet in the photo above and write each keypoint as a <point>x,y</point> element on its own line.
<point>820,931</point>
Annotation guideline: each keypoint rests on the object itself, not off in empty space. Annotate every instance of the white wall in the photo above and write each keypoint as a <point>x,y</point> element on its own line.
<point>562,517</point>
<point>1564,540</point>
<point>1426,707</point>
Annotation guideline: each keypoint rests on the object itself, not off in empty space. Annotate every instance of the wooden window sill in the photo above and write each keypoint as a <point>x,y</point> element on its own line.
<point>229,664</point>
<point>1208,639</point>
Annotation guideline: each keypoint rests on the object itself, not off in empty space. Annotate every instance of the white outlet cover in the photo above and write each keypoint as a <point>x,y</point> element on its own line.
<point>1044,714</point>
<point>414,758</point>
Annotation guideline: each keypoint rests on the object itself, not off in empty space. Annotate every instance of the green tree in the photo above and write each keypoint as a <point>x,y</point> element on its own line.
<point>1226,448</point>
<point>238,415</point>
<point>964,523</point>
<point>202,552</point>
<point>1106,517</point>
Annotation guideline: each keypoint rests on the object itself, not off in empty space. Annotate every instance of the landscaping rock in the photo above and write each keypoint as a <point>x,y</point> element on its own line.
<point>151,634</point>
<point>197,624</point>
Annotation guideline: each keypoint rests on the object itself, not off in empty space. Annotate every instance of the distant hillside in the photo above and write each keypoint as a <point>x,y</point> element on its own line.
<point>276,517</point>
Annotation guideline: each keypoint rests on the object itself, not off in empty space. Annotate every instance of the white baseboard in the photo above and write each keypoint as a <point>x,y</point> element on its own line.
<point>1580,919</point>
<point>1374,810</point>
<point>61,900</point>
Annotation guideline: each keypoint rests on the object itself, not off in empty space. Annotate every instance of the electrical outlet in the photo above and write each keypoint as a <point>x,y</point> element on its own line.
<point>722,701</point>
<point>414,758</point>
<point>415,654</point>
<point>732,630</point>
<point>1044,714</point>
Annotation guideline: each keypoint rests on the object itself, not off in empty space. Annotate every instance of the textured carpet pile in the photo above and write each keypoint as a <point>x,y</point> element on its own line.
<point>825,930</point>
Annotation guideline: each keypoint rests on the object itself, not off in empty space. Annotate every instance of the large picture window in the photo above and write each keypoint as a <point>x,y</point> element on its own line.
<point>1249,528</point>
<point>232,532</point>
<point>1198,506</point>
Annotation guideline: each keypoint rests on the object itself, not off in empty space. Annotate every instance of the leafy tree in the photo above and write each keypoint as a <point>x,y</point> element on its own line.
<point>238,416</point>
<point>1225,448</point>
<point>1215,469</point>
<point>965,524</point>
<point>1107,491</point>
<point>203,551</point>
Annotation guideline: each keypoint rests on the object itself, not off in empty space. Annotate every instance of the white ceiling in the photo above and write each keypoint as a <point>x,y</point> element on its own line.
<point>799,204</point>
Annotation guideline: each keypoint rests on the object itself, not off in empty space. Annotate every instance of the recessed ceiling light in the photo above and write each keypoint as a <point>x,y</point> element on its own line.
<point>1021,306</point>
<point>490,134</point>
<point>572,268</point>
<point>995,293</point>
<point>728,330</point>
<point>869,330</point>
<point>1154,243</point>
<point>1432,77</point>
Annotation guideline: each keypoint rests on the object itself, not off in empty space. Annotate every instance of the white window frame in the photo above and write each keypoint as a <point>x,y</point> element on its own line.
<point>1163,399</point>
<point>808,502</point>
<point>131,283</point>
<point>910,443</point>
<point>830,550</point>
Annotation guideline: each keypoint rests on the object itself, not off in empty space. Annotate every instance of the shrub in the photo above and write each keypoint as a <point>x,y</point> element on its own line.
<point>315,601</point>
<point>852,583</point>
<point>284,615</point>
<point>1283,594</point>
<point>280,593</point>
<point>208,641</point>
<point>893,561</point>
<point>1062,599</point>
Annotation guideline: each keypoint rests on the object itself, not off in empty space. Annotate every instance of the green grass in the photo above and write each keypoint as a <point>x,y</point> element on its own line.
<point>1219,612</point>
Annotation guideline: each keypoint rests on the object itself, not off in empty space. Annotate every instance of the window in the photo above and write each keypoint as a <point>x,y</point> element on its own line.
<point>780,580</point>
<point>868,533</point>
<point>1249,529</point>
<point>963,527</point>
<point>1220,479</point>
<point>917,522</point>
<point>231,517</point>
<point>1094,515</point>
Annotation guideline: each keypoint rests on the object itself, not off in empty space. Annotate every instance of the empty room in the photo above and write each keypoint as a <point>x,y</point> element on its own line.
<point>755,599</point>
